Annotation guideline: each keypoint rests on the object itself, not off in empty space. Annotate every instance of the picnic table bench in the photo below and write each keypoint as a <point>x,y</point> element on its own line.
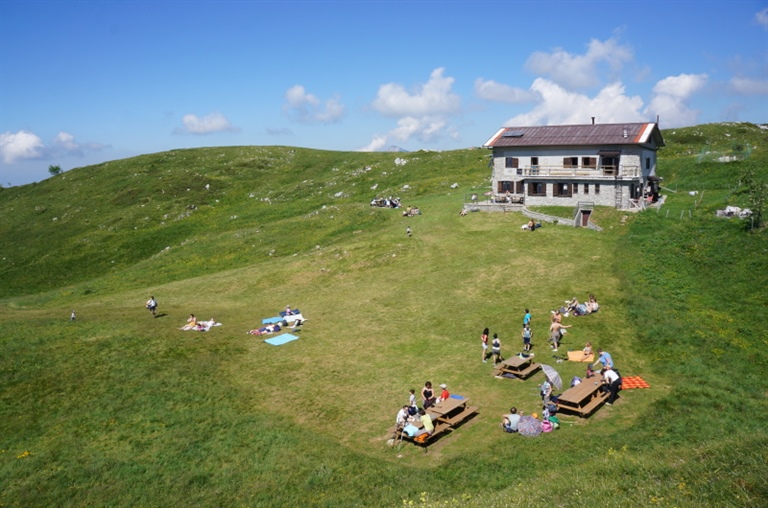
<point>584,398</point>
<point>445,415</point>
<point>520,367</point>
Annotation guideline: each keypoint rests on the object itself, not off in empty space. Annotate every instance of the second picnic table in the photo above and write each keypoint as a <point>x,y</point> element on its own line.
<point>520,366</point>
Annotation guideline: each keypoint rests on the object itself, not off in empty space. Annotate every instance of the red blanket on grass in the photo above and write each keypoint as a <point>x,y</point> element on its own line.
<point>629,382</point>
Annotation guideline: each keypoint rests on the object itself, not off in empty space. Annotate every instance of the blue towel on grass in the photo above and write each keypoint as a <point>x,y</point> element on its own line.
<point>281,339</point>
<point>271,320</point>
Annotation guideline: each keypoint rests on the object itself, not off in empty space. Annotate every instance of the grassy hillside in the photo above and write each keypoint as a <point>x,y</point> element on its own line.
<point>121,409</point>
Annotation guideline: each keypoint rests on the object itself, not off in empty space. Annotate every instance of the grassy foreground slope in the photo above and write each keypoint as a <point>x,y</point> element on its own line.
<point>122,409</point>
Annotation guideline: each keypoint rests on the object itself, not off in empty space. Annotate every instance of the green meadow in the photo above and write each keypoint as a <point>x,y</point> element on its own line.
<point>121,409</point>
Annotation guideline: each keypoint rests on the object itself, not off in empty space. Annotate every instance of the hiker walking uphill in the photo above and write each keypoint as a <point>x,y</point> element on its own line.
<point>152,306</point>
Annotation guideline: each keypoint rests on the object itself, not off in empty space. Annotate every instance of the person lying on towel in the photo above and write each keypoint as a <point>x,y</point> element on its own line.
<point>264,330</point>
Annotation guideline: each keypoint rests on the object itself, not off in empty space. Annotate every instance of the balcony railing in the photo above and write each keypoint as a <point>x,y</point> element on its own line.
<point>602,171</point>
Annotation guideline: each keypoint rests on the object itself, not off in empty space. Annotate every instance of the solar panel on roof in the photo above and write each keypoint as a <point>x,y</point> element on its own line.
<point>513,134</point>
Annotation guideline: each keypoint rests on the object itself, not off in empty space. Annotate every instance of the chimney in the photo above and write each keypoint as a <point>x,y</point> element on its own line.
<point>593,120</point>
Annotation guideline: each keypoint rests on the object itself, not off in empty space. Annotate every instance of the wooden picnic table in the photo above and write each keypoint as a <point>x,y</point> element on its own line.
<point>446,406</point>
<point>445,415</point>
<point>519,366</point>
<point>584,398</point>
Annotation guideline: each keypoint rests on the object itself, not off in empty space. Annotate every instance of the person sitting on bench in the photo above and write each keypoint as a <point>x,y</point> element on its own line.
<point>426,420</point>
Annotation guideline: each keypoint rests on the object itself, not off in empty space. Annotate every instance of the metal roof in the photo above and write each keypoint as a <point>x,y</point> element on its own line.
<point>570,135</point>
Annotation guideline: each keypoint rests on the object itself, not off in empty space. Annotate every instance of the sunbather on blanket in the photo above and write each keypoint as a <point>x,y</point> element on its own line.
<point>585,355</point>
<point>266,330</point>
<point>204,326</point>
<point>200,326</point>
<point>191,323</point>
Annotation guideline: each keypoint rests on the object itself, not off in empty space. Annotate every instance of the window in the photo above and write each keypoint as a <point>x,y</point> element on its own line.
<point>505,186</point>
<point>586,188</point>
<point>520,171</point>
<point>537,189</point>
<point>534,162</point>
<point>609,165</point>
<point>563,190</point>
<point>520,188</point>
<point>510,162</point>
<point>597,188</point>
<point>570,162</point>
<point>589,162</point>
<point>647,163</point>
<point>575,188</point>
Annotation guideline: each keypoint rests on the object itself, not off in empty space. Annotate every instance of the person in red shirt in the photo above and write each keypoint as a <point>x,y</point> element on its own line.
<point>444,394</point>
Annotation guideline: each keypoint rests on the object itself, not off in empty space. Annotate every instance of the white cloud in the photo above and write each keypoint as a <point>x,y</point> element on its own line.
<point>681,86</point>
<point>762,18</point>
<point>25,145</point>
<point>671,96</point>
<point>214,122</point>
<point>498,92</point>
<point>16,146</point>
<point>581,71</point>
<point>423,114</point>
<point>431,98</point>
<point>65,143</point>
<point>378,143</point>
<point>307,108</point>
<point>748,86</point>
<point>559,106</point>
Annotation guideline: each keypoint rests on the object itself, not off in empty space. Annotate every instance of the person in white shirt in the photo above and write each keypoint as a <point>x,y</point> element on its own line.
<point>402,417</point>
<point>613,381</point>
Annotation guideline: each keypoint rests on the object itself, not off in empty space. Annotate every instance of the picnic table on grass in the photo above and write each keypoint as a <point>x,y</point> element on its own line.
<point>520,367</point>
<point>445,415</point>
<point>584,398</point>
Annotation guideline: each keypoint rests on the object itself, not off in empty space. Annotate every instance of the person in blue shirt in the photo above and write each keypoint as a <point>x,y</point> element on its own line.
<point>605,358</point>
<point>527,318</point>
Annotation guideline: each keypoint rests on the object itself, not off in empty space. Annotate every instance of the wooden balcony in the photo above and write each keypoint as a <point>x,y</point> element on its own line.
<point>611,172</point>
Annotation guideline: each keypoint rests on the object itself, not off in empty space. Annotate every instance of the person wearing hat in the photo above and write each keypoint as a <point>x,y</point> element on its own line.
<point>444,394</point>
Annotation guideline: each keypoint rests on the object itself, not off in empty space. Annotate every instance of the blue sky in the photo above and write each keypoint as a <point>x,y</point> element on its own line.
<point>82,82</point>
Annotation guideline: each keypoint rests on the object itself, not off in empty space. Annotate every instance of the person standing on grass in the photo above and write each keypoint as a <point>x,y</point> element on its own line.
<point>527,317</point>
<point>546,391</point>
<point>152,305</point>
<point>612,381</point>
<point>496,349</point>
<point>605,358</point>
<point>412,407</point>
<point>408,231</point>
<point>556,331</point>
<point>484,339</point>
<point>72,316</point>
<point>527,335</point>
